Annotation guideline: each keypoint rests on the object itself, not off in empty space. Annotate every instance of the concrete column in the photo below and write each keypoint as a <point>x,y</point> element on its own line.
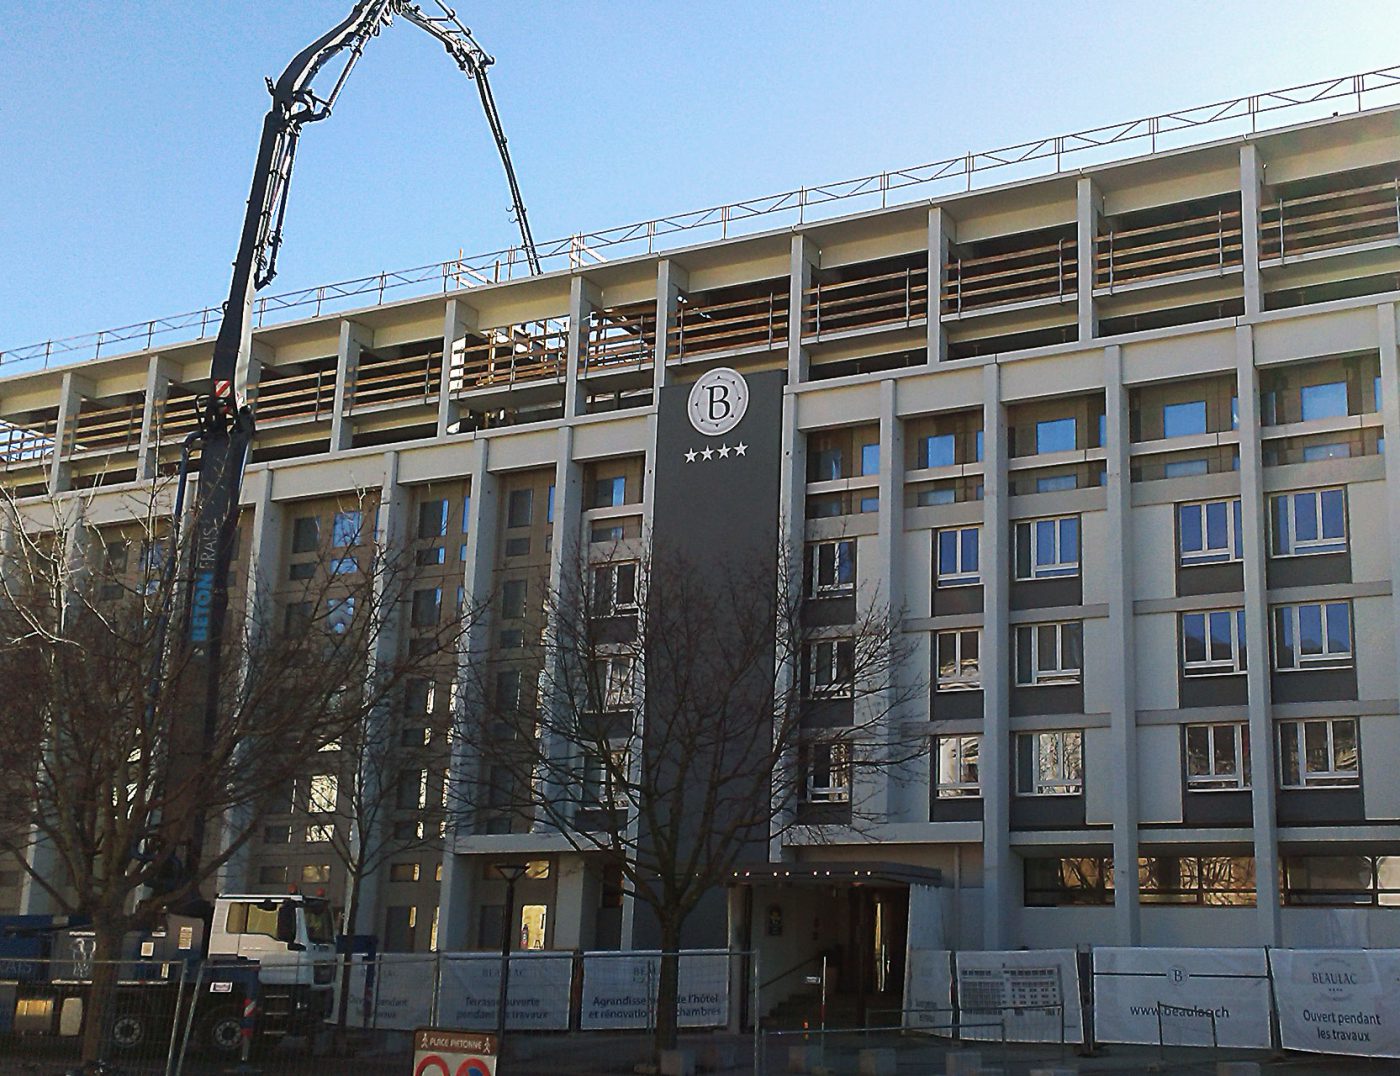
<point>571,905</point>
<point>942,234</point>
<point>804,257</point>
<point>584,298</point>
<point>1088,210</point>
<point>354,338</point>
<point>70,402</point>
<point>671,280</point>
<point>454,897</point>
<point>1251,191</point>
<point>792,501</point>
<point>458,320</point>
<point>159,376</point>
<point>1386,330</point>
<point>1122,688</point>
<point>999,874</point>
<point>1256,622</point>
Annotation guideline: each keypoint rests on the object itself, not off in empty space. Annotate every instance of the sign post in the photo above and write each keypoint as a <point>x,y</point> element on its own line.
<point>439,1052</point>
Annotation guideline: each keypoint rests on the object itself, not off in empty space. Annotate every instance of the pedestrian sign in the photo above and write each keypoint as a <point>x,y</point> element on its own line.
<point>440,1052</point>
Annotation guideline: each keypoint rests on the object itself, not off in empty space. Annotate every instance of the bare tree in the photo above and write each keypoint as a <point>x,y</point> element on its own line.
<point>674,723</point>
<point>100,768</point>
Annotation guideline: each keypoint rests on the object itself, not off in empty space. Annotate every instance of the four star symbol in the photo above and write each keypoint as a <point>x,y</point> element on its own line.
<point>724,451</point>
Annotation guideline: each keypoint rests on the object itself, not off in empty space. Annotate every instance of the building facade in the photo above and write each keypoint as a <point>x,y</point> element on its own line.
<point>1113,440</point>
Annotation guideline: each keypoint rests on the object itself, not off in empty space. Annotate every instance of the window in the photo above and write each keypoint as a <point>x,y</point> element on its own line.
<point>1319,754</point>
<point>1336,450</point>
<point>956,775</point>
<point>938,451</point>
<point>520,507</point>
<point>345,531</point>
<point>412,789</point>
<point>613,684</point>
<point>610,492</point>
<point>613,532</point>
<point>513,598</point>
<point>340,614</point>
<point>400,928</point>
<point>1306,522</point>
<point>1184,419</point>
<point>825,464</point>
<point>272,875</point>
<point>1324,401</point>
<point>432,519</point>
<point>1342,880</point>
<point>318,834</point>
<point>344,566</point>
<point>1212,643</point>
<point>829,668</point>
<point>870,504</point>
<point>1052,881</point>
<point>277,834</point>
<point>958,556</point>
<point>605,784</point>
<point>1312,636</point>
<point>1047,548</point>
<point>1185,469</point>
<point>1056,483</point>
<point>1050,763</point>
<point>1217,757</point>
<point>253,917</point>
<point>306,534</point>
<point>508,689</point>
<point>1204,880</point>
<point>325,791</point>
<point>1055,435</point>
<point>956,661</point>
<point>549,505</point>
<point>1209,532</point>
<point>408,831</point>
<point>404,872</point>
<point>870,459</point>
<point>305,570</point>
<point>831,567</point>
<point>615,588</point>
<point>427,607</point>
<point>1049,653</point>
<point>828,772</point>
<point>315,873</point>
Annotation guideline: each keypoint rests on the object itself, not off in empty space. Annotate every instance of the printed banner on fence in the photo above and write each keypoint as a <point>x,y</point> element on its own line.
<point>619,990</point>
<point>1336,1001</point>
<point>1182,997</point>
<point>402,996</point>
<point>1034,994</point>
<point>928,990</point>
<point>539,991</point>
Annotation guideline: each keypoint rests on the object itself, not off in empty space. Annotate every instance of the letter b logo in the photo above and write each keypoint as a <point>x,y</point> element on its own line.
<point>718,401</point>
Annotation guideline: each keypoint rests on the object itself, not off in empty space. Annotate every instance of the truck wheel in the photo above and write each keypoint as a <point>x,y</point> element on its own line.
<point>221,1032</point>
<point>131,1029</point>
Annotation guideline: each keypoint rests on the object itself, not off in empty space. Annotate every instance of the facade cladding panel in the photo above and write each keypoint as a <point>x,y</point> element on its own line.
<point>1157,644</point>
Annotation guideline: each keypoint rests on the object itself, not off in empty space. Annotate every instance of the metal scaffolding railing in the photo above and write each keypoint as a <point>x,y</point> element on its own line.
<point>797,206</point>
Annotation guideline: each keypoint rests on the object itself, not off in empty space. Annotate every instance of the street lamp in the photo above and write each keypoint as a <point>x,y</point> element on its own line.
<point>512,873</point>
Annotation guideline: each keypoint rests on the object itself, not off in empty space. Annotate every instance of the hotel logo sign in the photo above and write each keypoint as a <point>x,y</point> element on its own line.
<point>718,401</point>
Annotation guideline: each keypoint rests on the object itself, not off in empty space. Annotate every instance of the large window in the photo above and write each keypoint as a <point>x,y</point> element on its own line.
<point>607,492</point>
<point>1049,653</point>
<point>958,552</point>
<point>956,767</point>
<point>827,771</point>
<point>939,450</point>
<point>1054,881</point>
<point>1324,401</point>
<point>1217,757</point>
<point>615,588</point>
<point>1055,435</point>
<point>829,665</point>
<point>957,654</point>
<point>1047,548</point>
<point>432,518</point>
<point>345,531</point>
<point>1334,880</point>
<point>1315,635</point>
<point>612,688</point>
<point>1208,880</point>
<point>1209,532</point>
<point>1184,419</point>
<point>831,568</point>
<point>1308,521</point>
<point>1212,643</point>
<point>1319,754</point>
<point>1050,763</point>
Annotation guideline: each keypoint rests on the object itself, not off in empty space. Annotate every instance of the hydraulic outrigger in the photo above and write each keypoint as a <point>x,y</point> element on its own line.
<point>226,418</point>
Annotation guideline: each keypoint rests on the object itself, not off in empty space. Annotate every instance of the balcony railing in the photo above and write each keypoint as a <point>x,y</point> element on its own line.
<point>410,379</point>
<point>623,336</point>
<point>308,397</point>
<point>108,429</point>
<point>1343,218</point>
<point>1048,271</point>
<point>898,298</point>
<point>178,415</point>
<point>759,321</point>
<point>28,445</point>
<point>529,352</point>
<point>1171,248</point>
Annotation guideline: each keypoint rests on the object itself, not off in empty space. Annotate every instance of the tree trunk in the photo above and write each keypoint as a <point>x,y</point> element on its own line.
<point>667,987</point>
<point>352,909</point>
<point>101,1000</point>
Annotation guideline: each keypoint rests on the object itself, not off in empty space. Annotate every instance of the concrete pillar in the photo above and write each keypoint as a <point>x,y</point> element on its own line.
<point>571,904</point>
<point>458,320</point>
<point>1122,686</point>
<point>354,338</point>
<point>942,234</point>
<point>804,257</point>
<point>159,377</point>
<point>1386,330</point>
<point>70,402</point>
<point>1251,191</point>
<point>454,896</point>
<point>881,583</point>
<point>671,280</point>
<point>1088,210</point>
<point>1256,624</point>
<point>792,501</point>
<point>999,874</point>
<point>584,298</point>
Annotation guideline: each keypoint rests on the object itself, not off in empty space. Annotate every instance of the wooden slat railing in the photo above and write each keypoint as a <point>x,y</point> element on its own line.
<point>413,378</point>
<point>756,322</point>
<point>23,446</point>
<point>108,429</point>
<point>520,353</point>
<point>309,396</point>
<point>1048,271</point>
<point>898,298</point>
<point>1172,248</point>
<point>178,415</point>
<point>1342,218</point>
<point>622,336</point>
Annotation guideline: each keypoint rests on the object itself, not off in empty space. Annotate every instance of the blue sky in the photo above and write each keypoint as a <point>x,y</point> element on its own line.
<point>128,129</point>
